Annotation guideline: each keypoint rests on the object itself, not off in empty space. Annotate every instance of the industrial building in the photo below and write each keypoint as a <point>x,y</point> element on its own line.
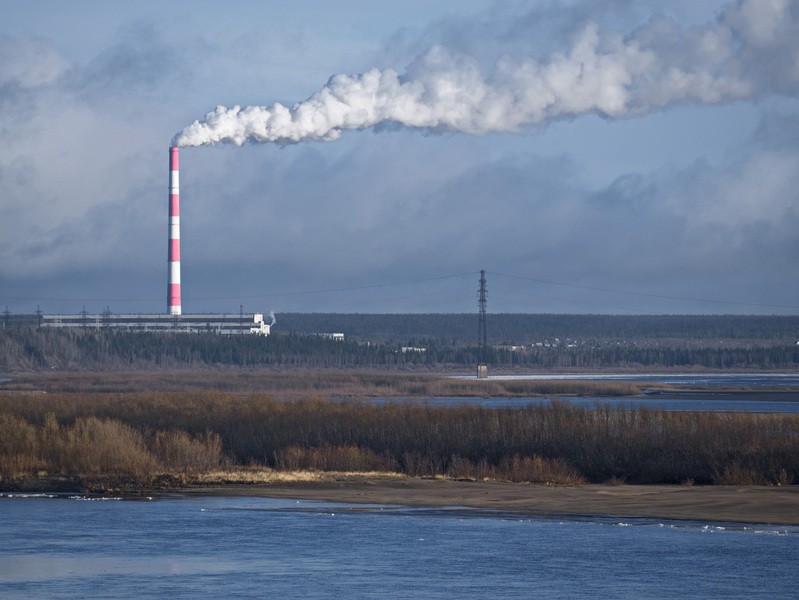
<point>174,320</point>
<point>229,324</point>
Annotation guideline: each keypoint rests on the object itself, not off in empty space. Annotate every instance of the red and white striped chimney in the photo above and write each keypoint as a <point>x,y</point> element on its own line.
<point>173,287</point>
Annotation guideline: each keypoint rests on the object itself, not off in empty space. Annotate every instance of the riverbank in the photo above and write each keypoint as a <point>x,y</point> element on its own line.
<point>774,505</point>
<point>747,504</point>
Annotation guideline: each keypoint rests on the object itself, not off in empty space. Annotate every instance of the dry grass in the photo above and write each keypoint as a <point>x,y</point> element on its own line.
<point>263,475</point>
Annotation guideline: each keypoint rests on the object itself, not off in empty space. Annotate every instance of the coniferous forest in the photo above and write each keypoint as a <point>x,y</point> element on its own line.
<point>432,341</point>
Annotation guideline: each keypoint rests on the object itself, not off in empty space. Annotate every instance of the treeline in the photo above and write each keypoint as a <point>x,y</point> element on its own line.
<point>144,436</point>
<point>526,328</point>
<point>27,348</point>
<point>31,348</point>
<point>507,328</point>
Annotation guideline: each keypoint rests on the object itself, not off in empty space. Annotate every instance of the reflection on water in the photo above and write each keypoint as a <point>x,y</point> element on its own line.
<point>243,547</point>
<point>43,567</point>
<point>721,402</point>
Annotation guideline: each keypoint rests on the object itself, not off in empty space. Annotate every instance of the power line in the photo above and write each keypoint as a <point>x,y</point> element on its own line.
<point>643,294</point>
<point>583,302</point>
<point>344,289</point>
<point>244,296</point>
<point>427,280</point>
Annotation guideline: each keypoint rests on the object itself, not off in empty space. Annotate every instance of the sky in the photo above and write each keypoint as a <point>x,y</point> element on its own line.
<point>593,156</point>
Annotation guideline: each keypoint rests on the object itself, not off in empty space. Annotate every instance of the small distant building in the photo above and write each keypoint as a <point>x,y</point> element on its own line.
<point>406,349</point>
<point>339,337</point>
<point>227,324</point>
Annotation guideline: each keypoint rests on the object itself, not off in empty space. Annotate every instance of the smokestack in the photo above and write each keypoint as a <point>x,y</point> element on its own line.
<point>173,286</point>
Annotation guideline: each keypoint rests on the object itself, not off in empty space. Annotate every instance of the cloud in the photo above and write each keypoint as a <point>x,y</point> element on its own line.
<point>74,165</point>
<point>29,63</point>
<point>141,63</point>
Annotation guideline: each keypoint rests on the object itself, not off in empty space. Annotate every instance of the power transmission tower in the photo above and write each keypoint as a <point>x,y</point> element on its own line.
<point>482,337</point>
<point>106,319</point>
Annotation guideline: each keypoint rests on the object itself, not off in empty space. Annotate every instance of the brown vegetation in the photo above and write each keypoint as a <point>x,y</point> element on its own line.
<point>91,448</point>
<point>324,383</point>
<point>140,436</point>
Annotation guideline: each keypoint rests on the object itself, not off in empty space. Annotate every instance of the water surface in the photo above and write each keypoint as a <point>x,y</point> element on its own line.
<point>251,547</point>
<point>718,403</point>
<point>767,392</point>
<point>753,380</point>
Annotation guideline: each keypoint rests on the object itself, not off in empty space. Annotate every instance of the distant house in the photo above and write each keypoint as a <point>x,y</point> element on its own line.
<point>339,337</point>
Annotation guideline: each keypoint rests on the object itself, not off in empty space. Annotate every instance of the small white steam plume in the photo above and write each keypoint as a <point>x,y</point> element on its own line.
<point>272,316</point>
<point>752,49</point>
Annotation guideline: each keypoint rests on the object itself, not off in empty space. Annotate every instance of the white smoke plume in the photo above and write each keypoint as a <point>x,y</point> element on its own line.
<point>752,49</point>
<point>272,317</point>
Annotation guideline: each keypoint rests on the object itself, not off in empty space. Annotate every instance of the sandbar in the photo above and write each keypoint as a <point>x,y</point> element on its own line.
<point>742,504</point>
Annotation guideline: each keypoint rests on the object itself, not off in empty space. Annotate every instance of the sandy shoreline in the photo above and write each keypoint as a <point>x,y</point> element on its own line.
<point>749,504</point>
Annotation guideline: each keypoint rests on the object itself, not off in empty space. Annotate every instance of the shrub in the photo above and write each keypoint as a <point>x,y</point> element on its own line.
<point>333,458</point>
<point>534,469</point>
<point>19,447</point>
<point>94,447</point>
<point>138,433</point>
<point>177,451</point>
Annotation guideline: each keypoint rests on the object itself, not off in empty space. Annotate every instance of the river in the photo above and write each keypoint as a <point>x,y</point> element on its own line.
<point>766,392</point>
<point>191,547</point>
<point>731,379</point>
<point>719,402</point>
